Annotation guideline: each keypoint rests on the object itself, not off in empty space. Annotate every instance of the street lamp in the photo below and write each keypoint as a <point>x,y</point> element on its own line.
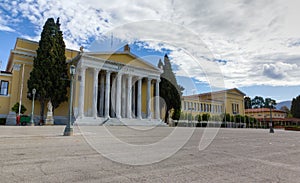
<point>191,108</point>
<point>69,128</point>
<point>271,123</point>
<point>32,108</point>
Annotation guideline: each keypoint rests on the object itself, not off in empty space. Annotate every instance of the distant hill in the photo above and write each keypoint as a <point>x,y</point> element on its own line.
<point>284,103</point>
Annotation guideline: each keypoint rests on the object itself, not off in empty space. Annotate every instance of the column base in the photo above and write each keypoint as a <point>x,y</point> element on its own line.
<point>68,131</point>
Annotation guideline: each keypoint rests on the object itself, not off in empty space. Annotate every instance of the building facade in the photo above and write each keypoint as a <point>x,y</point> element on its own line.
<point>266,115</point>
<point>214,103</point>
<point>107,85</point>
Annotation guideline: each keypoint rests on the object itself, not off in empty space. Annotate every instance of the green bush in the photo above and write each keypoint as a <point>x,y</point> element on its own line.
<point>231,118</point>
<point>205,117</point>
<point>2,121</point>
<point>15,108</point>
<point>227,117</point>
<point>189,117</point>
<point>199,118</point>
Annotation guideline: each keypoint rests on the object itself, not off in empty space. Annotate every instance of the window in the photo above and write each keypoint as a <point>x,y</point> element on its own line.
<point>235,108</point>
<point>3,87</point>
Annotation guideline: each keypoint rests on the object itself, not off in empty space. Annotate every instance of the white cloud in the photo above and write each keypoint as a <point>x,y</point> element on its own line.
<point>4,26</point>
<point>258,41</point>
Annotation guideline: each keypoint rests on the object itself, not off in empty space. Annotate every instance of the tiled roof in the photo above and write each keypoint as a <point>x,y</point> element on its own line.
<point>262,110</point>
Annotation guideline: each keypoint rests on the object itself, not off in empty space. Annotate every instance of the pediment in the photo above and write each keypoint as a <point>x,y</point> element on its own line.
<point>236,91</point>
<point>125,58</point>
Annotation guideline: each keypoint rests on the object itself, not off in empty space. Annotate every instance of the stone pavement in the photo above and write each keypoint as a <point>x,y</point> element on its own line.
<point>42,154</point>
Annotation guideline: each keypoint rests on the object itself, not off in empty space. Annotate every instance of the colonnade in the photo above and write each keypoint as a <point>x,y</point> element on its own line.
<point>118,90</point>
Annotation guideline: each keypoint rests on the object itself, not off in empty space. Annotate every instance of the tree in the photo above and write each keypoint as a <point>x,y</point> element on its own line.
<point>247,102</point>
<point>15,108</point>
<point>286,110</point>
<point>269,101</point>
<point>49,74</point>
<point>257,102</point>
<point>170,91</point>
<point>295,108</point>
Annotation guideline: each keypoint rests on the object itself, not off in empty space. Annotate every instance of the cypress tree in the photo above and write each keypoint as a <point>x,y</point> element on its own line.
<point>170,91</point>
<point>295,108</point>
<point>49,74</point>
<point>247,103</point>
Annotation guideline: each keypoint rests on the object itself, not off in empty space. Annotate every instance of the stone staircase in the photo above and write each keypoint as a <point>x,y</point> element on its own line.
<point>89,121</point>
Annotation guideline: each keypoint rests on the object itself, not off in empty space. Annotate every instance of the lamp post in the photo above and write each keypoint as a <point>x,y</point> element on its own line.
<point>69,128</point>
<point>271,123</point>
<point>191,108</point>
<point>32,108</point>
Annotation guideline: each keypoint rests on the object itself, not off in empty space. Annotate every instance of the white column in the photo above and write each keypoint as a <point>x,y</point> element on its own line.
<point>129,94</point>
<point>133,100</point>
<point>157,110</point>
<point>101,98</point>
<point>113,94</point>
<point>118,97</point>
<point>139,99</point>
<point>107,94</point>
<point>148,98</point>
<point>81,92</point>
<point>95,93</point>
<point>123,100</point>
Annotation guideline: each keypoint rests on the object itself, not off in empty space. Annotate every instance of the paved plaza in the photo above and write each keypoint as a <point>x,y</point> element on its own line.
<point>42,154</point>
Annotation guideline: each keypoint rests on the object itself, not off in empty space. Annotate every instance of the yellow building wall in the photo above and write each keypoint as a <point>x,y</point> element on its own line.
<point>265,114</point>
<point>25,45</point>
<point>15,85</point>
<point>233,99</point>
<point>4,100</point>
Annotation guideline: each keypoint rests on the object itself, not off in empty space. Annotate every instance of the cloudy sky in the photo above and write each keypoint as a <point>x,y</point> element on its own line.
<point>253,45</point>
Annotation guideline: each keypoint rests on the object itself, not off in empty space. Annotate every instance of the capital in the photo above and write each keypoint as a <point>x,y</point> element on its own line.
<point>96,70</point>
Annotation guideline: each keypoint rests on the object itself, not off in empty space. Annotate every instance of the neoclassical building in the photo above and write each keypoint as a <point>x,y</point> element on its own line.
<point>108,87</point>
<point>215,103</point>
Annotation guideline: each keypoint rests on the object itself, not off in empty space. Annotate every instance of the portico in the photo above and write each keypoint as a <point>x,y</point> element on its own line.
<point>118,85</point>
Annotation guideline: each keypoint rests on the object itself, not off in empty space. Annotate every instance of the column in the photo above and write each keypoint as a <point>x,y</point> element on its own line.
<point>113,96</point>
<point>157,110</point>
<point>123,100</point>
<point>129,94</point>
<point>118,96</point>
<point>133,100</point>
<point>95,93</point>
<point>81,92</point>
<point>148,98</point>
<point>107,94</point>
<point>101,98</point>
<point>139,99</point>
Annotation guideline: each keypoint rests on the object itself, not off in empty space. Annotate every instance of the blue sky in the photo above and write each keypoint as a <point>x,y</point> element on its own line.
<point>251,45</point>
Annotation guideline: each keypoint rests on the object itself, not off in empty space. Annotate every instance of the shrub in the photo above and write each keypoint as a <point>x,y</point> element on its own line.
<point>205,117</point>
<point>199,118</point>
<point>15,108</point>
<point>2,121</point>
